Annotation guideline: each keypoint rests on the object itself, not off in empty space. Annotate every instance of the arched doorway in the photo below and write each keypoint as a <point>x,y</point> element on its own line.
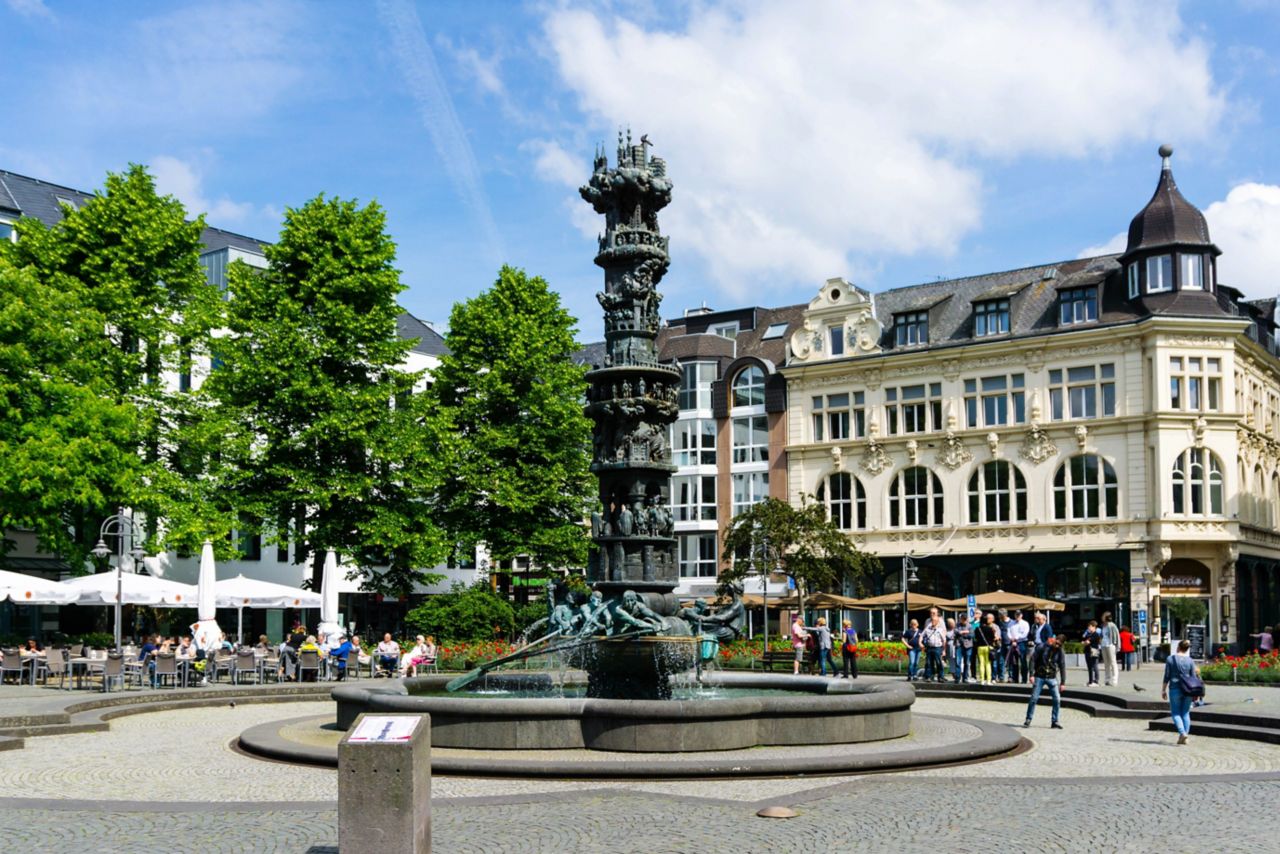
<point>1184,596</point>
<point>1088,590</point>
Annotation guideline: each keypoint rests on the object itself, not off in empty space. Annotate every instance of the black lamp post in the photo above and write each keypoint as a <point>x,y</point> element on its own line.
<point>908,577</point>
<point>116,525</point>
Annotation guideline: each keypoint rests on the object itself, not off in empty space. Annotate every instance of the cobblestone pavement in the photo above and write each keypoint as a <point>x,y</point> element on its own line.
<point>161,782</point>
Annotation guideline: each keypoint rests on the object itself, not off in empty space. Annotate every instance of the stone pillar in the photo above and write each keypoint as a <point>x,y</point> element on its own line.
<point>384,785</point>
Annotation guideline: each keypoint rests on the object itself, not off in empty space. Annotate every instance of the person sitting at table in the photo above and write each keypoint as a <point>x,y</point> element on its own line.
<point>418,656</point>
<point>288,659</point>
<point>310,645</point>
<point>263,645</point>
<point>298,636</point>
<point>225,645</point>
<point>185,650</point>
<point>147,654</point>
<point>32,647</point>
<point>388,656</point>
<point>339,654</point>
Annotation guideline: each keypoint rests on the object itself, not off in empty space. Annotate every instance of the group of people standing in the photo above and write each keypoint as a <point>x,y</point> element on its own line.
<point>820,638</point>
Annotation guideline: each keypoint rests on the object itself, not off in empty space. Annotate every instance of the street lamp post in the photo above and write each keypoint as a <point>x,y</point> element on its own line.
<point>116,525</point>
<point>908,566</point>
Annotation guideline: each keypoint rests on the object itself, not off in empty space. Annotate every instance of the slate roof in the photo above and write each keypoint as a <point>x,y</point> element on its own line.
<point>430,342</point>
<point>1168,218</point>
<point>591,355</point>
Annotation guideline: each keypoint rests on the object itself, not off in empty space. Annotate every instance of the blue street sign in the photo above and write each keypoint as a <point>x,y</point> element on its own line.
<point>791,583</point>
<point>1142,622</point>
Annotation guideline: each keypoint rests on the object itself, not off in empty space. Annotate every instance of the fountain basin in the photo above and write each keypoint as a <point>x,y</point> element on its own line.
<point>787,710</point>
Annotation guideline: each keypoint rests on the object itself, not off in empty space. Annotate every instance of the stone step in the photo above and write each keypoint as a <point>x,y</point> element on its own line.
<point>8,742</point>
<point>1200,727</point>
<point>1080,701</point>
<point>10,721</point>
<point>54,729</point>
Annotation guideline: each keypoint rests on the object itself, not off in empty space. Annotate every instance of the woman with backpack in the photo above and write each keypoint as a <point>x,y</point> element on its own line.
<point>1182,684</point>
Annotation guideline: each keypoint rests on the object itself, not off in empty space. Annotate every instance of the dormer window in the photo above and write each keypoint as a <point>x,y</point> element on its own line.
<point>836,334</point>
<point>725,330</point>
<point>1077,305</point>
<point>1192,272</point>
<point>1159,274</point>
<point>911,329</point>
<point>7,231</point>
<point>1133,280</point>
<point>991,318</point>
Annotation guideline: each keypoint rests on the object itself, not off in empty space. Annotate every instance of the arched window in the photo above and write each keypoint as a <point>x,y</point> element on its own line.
<point>1197,483</point>
<point>1085,488</point>
<point>1244,510</point>
<point>997,493</point>
<point>915,499</point>
<point>1261,504</point>
<point>846,501</point>
<point>1275,504</point>
<point>748,387</point>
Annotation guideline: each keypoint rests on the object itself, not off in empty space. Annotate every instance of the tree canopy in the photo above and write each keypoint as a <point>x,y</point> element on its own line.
<point>800,542</point>
<point>510,394</point>
<point>327,431</point>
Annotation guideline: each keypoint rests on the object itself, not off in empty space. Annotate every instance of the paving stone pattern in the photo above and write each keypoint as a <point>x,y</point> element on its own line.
<point>1064,794</point>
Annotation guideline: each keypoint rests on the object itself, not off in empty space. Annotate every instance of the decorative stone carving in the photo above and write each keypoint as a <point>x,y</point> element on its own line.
<point>1037,414</point>
<point>1082,436</point>
<point>951,370</point>
<point>1200,427</point>
<point>837,458</point>
<point>913,451</point>
<point>1037,446</point>
<point>1158,554</point>
<point>1035,360</point>
<point>874,459</point>
<point>953,454</point>
<point>873,379</point>
<point>865,332</point>
<point>993,444</point>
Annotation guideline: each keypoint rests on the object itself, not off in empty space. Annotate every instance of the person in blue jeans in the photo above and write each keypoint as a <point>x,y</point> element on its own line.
<point>1175,667</point>
<point>911,637</point>
<point>1049,667</point>
<point>998,650</point>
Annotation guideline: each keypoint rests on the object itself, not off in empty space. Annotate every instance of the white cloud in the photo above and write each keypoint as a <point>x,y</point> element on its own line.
<point>483,71</point>
<point>811,139</point>
<point>551,162</point>
<point>1113,246</point>
<point>1246,227</point>
<point>31,9</point>
<point>186,181</point>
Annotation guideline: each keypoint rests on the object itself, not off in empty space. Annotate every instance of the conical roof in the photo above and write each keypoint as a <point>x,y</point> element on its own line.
<point>1168,218</point>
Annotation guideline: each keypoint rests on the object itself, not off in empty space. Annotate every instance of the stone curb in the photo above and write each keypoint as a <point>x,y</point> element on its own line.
<point>995,739</point>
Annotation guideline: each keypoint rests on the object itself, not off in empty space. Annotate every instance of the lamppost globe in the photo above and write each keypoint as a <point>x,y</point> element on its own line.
<point>101,550</point>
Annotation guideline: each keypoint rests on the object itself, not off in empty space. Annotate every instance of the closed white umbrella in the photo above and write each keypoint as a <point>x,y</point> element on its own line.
<point>241,592</point>
<point>32,590</point>
<point>206,632</point>
<point>329,597</point>
<point>138,589</point>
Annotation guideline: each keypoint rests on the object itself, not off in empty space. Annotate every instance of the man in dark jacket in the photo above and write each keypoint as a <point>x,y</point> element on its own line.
<point>1049,667</point>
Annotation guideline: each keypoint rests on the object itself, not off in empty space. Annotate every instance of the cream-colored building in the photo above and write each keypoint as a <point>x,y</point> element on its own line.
<point>1103,431</point>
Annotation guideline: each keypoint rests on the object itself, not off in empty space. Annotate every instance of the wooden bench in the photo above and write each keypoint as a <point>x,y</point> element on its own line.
<point>786,659</point>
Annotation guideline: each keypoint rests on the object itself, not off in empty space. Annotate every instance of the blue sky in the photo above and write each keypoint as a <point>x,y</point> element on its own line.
<point>887,142</point>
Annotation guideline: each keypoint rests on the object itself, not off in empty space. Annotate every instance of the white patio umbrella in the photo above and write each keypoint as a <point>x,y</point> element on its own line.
<point>329,598</point>
<point>206,632</point>
<point>138,589</point>
<point>32,590</point>
<point>241,592</point>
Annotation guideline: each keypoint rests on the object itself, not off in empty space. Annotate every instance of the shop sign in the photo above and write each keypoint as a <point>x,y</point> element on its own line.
<point>1185,583</point>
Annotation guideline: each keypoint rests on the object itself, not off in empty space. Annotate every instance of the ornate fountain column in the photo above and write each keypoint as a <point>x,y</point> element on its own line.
<point>632,399</point>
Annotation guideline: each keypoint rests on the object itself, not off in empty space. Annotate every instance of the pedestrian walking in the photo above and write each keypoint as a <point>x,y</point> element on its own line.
<point>1182,685</point>
<point>933,637</point>
<point>1091,640</point>
<point>823,636</point>
<point>849,651</point>
<point>1127,648</point>
<point>1109,648</point>
<point>1050,669</point>
<point>799,638</point>
<point>911,639</point>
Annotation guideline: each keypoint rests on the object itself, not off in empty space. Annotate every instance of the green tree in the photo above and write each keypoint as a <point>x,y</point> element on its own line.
<point>117,287</point>
<point>327,433</point>
<point>800,542</point>
<point>464,614</point>
<point>518,478</point>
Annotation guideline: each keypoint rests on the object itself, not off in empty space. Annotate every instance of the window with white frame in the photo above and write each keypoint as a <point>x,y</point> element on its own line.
<point>7,231</point>
<point>698,555</point>
<point>834,419</point>
<point>695,384</point>
<point>751,439</point>
<point>915,499</point>
<point>1085,487</point>
<point>1077,305</point>
<point>1159,273</point>
<point>1086,391</point>
<point>694,498</point>
<point>993,401</point>
<point>749,488</point>
<point>1192,272</point>
<point>845,500</point>
<point>725,330</point>
<point>695,442</point>
<point>911,328</point>
<point>1197,483</point>
<point>997,494</point>
<point>991,318</point>
<point>748,387</point>
<point>1195,383</point>
<point>775,330</point>
<point>1132,273</point>
<point>914,408</point>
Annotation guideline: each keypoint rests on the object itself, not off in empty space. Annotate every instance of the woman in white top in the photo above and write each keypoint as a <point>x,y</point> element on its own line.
<point>418,656</point>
